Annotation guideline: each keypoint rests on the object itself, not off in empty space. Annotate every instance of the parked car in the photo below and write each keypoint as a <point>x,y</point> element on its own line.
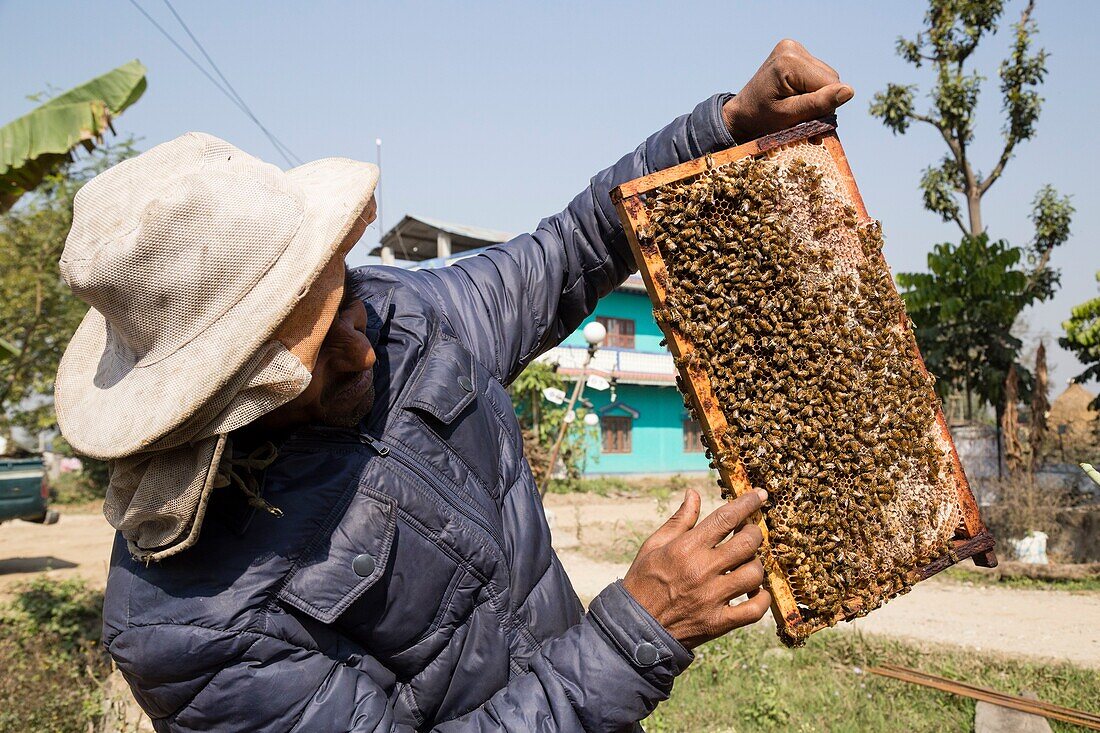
<point>24,491</point>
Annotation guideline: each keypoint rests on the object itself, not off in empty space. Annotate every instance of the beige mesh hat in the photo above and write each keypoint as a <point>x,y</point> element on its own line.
<point>210,275</point>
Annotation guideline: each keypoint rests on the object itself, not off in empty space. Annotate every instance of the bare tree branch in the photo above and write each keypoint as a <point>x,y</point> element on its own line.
<point>994,174</point>
<point>1011,139</point>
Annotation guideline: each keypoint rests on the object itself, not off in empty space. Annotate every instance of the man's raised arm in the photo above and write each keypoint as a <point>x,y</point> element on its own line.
<point>520,298</point>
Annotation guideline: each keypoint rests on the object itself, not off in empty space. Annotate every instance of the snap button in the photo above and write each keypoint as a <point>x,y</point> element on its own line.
<point>465,383</point>
<point>646,654</point>
<point>363,565</point>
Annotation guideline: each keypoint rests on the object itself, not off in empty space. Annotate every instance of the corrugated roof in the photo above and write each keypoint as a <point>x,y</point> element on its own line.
<point>462,230</point>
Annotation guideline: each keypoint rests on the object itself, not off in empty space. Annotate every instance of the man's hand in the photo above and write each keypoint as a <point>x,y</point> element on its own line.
<point>685,575</point>
<point>791,86</point>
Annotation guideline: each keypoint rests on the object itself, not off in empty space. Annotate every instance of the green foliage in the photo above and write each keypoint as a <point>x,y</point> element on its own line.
<point>53,664</point>
<point>1083,338</point>
<point>963,310</point>
<point>79,487</point>
<point>75,488</point>
<point>38,313</point>
<point>1051,216</point>
<point>600,486</point>
<point>527,397</point>
<point>895,106</point>
<point>1020,74</point>
<point>747,682</point>
<point>939,186</point>
<point>36,145</point>
<point>953,30</point>
<point>540,422</point>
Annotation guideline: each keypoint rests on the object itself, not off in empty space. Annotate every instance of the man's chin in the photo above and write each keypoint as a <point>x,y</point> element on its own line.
<point>346,411</point>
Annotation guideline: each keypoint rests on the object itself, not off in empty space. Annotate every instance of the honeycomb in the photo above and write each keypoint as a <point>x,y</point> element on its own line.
<point>792,315</point>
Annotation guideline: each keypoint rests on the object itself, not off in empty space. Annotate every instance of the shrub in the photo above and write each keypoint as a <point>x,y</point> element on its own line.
<point>50,654</point>
<point>78,487</point>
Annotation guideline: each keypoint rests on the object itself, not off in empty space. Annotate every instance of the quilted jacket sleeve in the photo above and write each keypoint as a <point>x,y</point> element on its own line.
<point>520,298</point>
<point>604,674</point>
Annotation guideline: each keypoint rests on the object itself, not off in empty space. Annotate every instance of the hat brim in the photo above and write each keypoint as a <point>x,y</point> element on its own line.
<point>101,420</point>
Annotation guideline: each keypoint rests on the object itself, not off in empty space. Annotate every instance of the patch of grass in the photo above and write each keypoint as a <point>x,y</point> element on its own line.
<point>666,490</point>
<point>963,575</point>
<point>623,547</point>
<point>747,681</point>
<point>600,486</point>
<point>53,667</point>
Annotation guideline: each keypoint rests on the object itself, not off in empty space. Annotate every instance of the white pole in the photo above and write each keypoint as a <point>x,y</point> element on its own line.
<point>378,188</point>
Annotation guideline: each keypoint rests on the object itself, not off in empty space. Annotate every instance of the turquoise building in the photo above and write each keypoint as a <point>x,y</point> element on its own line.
<point>644,428</point>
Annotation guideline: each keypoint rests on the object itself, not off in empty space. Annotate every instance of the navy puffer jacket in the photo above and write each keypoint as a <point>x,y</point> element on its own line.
<point>410,583</point>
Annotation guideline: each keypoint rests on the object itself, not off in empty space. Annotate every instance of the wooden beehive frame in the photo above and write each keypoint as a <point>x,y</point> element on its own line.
<point>971,538</point>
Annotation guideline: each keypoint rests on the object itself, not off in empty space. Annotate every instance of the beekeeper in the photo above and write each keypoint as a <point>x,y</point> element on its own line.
<point>325,518</point>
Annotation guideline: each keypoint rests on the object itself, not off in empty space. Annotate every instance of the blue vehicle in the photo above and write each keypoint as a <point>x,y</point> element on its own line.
<point>24,492</point>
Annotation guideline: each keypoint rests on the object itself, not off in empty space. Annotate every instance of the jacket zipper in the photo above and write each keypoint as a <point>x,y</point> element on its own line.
<point>435,480</point>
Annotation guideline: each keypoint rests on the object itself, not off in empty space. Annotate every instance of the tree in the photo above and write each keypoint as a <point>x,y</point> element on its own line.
<point>36,145</point>
<point>963,310</point>
<point>37,151</point>
<point>953,31</point>
<point>1083,339</point>
<point>965,307</point>
<point>38,312</point>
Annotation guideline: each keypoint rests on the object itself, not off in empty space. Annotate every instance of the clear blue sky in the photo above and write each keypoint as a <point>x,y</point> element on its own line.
<point>496,114</point>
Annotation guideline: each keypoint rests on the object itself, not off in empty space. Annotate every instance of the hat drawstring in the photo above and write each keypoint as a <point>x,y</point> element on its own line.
<point>242,472</point>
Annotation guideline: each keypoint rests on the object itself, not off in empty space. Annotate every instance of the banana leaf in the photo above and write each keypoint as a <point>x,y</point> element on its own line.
<point>34,145</point>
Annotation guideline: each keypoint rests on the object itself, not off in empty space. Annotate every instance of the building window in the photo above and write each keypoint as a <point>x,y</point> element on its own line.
<point>620,332</point>
<point>693,436</point>
<point>616,431</point>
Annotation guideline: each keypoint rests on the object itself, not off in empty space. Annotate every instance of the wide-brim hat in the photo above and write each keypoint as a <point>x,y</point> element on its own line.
<point>192,255</point>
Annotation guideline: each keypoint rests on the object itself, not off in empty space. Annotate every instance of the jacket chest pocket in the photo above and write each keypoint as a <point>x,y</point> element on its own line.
<point>421,597</point>
<point>383,576</point>
<point>450,398</point>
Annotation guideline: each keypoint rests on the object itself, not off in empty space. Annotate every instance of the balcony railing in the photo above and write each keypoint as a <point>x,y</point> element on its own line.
<point>630,367</point>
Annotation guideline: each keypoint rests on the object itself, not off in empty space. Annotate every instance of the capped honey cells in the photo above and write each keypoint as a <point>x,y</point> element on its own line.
<point>793,319</point>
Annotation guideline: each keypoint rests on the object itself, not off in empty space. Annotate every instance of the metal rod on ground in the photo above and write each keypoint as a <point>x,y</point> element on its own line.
<point>1034,707</point>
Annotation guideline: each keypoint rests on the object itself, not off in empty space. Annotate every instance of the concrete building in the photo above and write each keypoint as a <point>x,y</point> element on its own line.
<point>644,428</point>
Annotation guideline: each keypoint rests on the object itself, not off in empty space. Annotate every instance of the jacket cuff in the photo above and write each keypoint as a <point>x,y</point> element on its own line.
<point>711,133</point>
<point>646,644</point>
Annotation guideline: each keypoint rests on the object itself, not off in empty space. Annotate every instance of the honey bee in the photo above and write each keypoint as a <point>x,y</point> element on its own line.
<point>808,357</point>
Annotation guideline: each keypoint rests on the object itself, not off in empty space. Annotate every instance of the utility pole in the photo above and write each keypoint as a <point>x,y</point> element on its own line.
<point>386,252</point>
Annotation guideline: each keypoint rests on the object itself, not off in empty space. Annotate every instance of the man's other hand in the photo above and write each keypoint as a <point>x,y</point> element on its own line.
<point>791,86</point>
<point>685,575</point>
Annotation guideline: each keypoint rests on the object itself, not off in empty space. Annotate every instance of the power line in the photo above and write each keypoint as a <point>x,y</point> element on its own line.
<point>283,149</point>
<point>285,152</point>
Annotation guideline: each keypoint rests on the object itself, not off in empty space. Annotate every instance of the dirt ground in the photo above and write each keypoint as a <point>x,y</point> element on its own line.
<point>1034,623</point>
<point>595,538</point>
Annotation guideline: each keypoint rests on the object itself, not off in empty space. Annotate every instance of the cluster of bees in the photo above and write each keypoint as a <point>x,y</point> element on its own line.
<point>791,314</point>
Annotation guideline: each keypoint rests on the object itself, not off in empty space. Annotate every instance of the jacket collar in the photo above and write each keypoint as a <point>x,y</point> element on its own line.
<point>375,288</point>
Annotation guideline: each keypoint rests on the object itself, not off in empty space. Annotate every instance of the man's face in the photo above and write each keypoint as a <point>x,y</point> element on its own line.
<point>341,391</point>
